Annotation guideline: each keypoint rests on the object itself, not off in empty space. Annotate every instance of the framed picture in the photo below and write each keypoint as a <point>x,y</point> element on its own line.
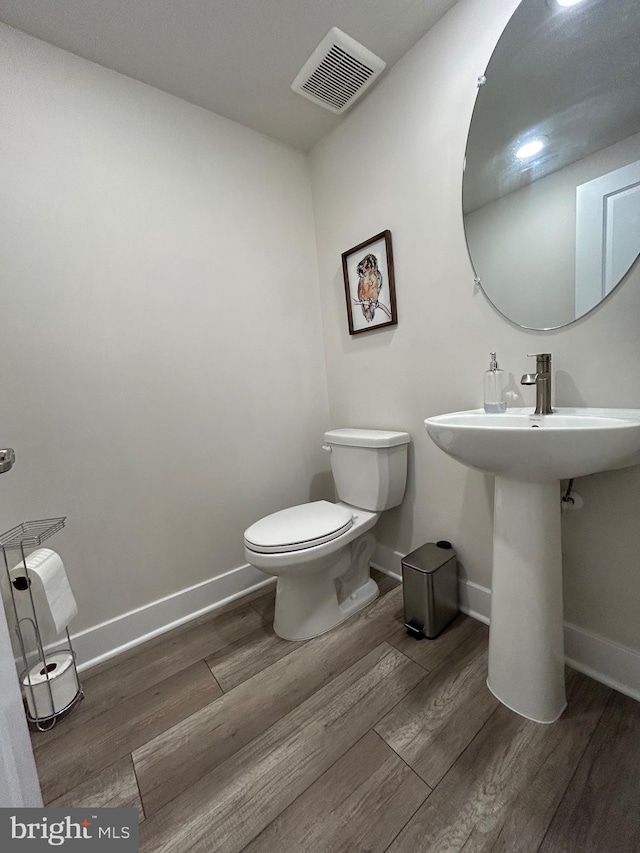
<point>369,284</point>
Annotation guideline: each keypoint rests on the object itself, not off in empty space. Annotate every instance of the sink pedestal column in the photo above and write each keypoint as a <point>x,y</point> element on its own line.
<point>526,642</point>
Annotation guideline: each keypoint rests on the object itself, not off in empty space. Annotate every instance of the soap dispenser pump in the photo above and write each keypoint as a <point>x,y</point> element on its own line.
<point>494,388</point>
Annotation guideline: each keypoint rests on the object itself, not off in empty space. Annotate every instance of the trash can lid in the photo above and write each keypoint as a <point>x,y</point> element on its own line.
<point>428,558</point>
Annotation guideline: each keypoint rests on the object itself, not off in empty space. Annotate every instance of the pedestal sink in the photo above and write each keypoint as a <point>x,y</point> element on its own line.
<point>529,454</point>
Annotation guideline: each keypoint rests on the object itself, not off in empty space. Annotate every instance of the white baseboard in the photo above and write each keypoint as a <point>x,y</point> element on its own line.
<point>111,638</point>
<point>597,657</point>
<point>614,665</point>
<point>603,660</point>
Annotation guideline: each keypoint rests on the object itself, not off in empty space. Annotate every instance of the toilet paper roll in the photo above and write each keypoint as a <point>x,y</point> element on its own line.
<point>55,605</point>
<point>57,672</point>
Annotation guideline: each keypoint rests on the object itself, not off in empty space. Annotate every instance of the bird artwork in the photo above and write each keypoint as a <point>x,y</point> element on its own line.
<point>369,283</point>
<point>369,287</point>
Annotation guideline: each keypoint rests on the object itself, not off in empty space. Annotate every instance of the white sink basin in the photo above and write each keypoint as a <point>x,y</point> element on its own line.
<point>529,454</point>
<point>524,446</point>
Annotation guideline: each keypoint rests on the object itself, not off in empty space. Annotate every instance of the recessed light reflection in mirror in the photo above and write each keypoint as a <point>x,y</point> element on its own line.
<point>562,4</point>
<point>531,148</point>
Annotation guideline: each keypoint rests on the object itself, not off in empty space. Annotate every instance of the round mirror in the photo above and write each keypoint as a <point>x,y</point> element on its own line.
<point>551,189</point>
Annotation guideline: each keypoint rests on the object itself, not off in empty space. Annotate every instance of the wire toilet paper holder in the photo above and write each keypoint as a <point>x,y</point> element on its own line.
<point>23,538</point>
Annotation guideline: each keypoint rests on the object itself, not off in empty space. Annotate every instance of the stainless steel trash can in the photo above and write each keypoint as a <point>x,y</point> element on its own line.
<point>430,589</point>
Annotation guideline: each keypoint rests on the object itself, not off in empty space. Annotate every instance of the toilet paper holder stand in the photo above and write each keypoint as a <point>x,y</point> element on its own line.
<point>24,538</point>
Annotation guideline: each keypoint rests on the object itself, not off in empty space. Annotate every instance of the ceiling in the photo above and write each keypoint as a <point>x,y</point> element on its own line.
<point>237,58</point>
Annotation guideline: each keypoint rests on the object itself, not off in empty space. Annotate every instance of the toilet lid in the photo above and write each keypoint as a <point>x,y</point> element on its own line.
<point>298,527</point>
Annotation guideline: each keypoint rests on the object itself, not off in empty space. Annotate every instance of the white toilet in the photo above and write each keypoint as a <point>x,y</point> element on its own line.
<point>320,551</point>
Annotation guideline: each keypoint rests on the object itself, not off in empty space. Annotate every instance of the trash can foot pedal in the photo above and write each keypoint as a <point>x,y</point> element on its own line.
<point>414,632</point>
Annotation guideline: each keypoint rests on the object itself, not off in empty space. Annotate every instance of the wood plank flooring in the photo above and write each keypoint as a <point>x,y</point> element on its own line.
<point>227,738</point>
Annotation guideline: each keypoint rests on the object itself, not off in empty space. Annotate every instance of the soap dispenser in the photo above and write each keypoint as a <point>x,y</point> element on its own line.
<point>494,388</point>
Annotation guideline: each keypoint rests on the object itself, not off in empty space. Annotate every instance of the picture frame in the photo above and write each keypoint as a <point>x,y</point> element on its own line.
<point>369,284</point>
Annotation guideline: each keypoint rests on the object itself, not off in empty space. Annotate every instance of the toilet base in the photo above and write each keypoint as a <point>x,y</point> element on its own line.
<point>308,608</point>
<point>311,604</point>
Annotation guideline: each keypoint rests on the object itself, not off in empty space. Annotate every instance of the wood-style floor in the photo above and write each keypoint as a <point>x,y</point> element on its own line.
<point>227,738</point>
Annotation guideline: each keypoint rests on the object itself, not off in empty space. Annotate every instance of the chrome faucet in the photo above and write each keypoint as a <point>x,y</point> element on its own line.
<point>542,380</point>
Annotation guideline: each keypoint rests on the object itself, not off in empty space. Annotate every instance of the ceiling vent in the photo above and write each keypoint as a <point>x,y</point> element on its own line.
<point>337,72</point>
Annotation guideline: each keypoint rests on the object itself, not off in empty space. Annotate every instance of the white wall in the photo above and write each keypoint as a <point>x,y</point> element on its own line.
<point>161,363</point>
<point>396,162</point>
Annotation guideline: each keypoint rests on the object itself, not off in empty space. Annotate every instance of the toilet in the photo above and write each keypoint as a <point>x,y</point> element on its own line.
<point>320,551</point>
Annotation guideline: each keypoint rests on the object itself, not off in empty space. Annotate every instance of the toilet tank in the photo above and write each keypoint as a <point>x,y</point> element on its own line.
<point>369,466</point>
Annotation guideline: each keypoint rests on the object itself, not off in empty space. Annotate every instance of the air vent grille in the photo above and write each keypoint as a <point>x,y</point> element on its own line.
<point>338,72</point>
<point>338,77</point>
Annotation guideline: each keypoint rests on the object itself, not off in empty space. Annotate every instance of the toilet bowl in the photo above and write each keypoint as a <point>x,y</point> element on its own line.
<point>320,551</point>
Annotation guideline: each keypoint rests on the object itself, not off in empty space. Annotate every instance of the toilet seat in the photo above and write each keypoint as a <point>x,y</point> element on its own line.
<point>298,527</point>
